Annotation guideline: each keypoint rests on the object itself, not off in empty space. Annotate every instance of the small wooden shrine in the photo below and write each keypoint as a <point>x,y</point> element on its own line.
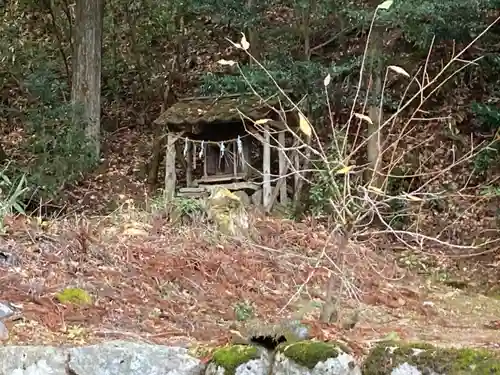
<point>217,141</point>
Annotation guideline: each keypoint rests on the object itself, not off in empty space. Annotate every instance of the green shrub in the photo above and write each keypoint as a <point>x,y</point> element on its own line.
<point>489,118</point>
<point>57,142</point>
<point>11,194</point>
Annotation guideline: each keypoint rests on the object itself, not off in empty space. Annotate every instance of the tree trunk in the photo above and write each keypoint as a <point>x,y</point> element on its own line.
<point>374,141</point>
<point>86,64</point>
<point>253,37</point>
<point>306,28</point>
<point>3,154</point>
<point>373,145</point>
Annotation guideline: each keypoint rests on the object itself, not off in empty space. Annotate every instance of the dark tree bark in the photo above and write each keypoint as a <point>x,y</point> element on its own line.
<point>3,154</point>
<point>86,83</point>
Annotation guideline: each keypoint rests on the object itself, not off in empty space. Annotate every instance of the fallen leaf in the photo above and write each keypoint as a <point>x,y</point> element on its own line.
<point>364,118</point>
<point>327,80</point>
<point>206,359</point>
<point>385,5</point>
<point>304,125</point>
<point>375,189</point>
<point>135,232</point>
<point>226,62</point>
<point>345,170</point>
<point>244,43</point>
<point>493,324</point>
<point>262,121</point>
<point>412,198</point>
<point>399,70</point>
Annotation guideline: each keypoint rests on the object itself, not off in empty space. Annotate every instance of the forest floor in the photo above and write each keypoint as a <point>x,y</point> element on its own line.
<point>152,281</point>
<point>159,283</point>
<point>165,284</point>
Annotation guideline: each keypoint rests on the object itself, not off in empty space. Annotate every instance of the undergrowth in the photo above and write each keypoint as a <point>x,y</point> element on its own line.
<point>11,194</point>
<point>489,120</point>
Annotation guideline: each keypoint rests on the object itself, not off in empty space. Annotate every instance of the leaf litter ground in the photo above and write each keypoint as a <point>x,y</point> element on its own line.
<point>160,283</point>
<point>172,285</point>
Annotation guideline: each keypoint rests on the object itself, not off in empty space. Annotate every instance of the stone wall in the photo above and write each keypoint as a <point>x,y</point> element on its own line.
<point>301,357</point>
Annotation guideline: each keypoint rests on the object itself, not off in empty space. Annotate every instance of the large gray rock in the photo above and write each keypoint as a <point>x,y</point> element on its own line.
<point>30,360</point>
<point>121,357</point>
<point>115,357</point>
<point>6,310</point>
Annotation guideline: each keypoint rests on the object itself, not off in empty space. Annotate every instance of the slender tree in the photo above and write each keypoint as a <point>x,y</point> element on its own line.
<point>86,82</point>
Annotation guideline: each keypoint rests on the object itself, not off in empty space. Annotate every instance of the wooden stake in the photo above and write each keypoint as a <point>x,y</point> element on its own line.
<point>189,164</point>
<point>205,159</point>
<point>235,158</point>
<point>170,176</point>
<point>296,177</point>
<point>266,170</point>
<point>282,168</point>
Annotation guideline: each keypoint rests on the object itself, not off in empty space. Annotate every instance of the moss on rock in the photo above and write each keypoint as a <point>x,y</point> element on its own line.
<point>76,296</point>
<point>387,356</point>
<point>309,353</point>
<point>230,357</point>
<point>228,212</point>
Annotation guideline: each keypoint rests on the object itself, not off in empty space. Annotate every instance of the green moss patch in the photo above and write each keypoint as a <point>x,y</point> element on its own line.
<point>229,358</point>
<point>308,353</point>
<point>389,355</point>
<point>75,296</point>
<point>216,111</point>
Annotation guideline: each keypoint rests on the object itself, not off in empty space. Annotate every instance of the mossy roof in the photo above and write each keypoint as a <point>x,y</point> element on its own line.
<point>210,111</point>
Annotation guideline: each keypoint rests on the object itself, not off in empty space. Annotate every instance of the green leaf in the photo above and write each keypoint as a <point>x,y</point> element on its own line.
<point>18,208</point>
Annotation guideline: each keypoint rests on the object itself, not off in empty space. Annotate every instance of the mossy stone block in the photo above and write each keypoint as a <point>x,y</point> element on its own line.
<point>309,353</point>
<point>387,356</point>
<point>230,357</point>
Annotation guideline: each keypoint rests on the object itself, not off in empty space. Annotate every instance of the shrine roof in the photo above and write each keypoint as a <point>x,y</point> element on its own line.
<point>216,110</point>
